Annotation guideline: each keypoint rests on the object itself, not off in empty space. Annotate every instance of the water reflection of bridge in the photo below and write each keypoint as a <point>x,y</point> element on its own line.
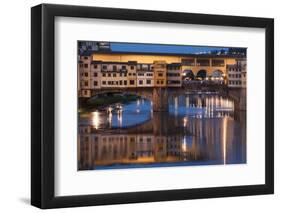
<point>159,124</point>
<point>163,140</point>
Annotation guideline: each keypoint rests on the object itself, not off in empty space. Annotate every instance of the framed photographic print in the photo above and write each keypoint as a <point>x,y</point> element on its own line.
<point>139,106</point>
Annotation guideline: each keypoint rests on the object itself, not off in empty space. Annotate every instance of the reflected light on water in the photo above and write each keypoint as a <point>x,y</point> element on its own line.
<point>201,131</point>
<point>119,118</point>
<point>110,119</point>
<point>95,119</point>
<point>109,110</point>
<point>199,102</point>
<point>186,101</point>
<point>224,132</point>
<point>176,102</point>
<point>185,121</point>
<point>184,145</point>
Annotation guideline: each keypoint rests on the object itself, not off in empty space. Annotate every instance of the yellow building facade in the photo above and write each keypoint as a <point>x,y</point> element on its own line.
<point>193,63</point>
<point>128,70</point>
<point>160,73</point>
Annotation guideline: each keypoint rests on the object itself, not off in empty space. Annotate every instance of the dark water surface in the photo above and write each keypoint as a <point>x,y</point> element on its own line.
<point>201,129</point>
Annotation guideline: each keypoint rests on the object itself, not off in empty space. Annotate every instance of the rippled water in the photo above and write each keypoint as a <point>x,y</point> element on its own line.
<point>197,130</point>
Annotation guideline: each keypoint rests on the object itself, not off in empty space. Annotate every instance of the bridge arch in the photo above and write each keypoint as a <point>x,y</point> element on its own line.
<point>201,74</point>
<point>217,75</point>
<point>146,94</point>
<point>159,96</point>
<point>188,75</point>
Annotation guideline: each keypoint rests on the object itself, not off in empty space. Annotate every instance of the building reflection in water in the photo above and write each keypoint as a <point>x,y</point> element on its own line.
<point>197,130</point>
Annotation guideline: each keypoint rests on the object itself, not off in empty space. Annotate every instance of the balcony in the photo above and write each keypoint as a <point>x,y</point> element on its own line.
<point>218,63</point>
<point>188,62</point>
<point>203,62</point>
<point>114,70</point>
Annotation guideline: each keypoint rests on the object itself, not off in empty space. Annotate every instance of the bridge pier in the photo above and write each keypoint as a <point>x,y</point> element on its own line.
<point>160,99</point>
<point>239,97</point>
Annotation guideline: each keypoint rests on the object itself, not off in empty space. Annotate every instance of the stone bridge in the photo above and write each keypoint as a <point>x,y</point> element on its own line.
<point>158,95</point>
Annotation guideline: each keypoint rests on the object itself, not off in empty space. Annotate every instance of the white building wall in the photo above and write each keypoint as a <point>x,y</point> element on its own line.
<point>84,76</point>
<point>174,76</point>
<point>132,76</point>
<point>237,74</point>
<point>145,79</point>
<point>95,76</point>
<point>114,75</point>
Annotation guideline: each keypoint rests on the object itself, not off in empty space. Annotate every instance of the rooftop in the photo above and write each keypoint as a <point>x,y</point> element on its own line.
<point>169,54</point>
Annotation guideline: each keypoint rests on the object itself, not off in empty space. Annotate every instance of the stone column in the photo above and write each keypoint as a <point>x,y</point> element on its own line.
<point>160,99</point>
<point>243,99</point>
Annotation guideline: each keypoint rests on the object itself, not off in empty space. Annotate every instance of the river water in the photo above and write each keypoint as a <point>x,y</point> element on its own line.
<point>198,129</point>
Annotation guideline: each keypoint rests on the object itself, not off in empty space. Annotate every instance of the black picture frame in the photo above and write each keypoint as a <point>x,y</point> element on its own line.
<point>43,102</point>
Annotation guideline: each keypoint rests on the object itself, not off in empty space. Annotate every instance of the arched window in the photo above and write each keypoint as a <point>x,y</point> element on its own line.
<point>201,75</point>
<point>217,76</point>
<point>188,75</point>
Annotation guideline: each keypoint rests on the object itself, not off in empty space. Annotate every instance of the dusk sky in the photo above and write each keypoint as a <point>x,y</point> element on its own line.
<point>135,47</point>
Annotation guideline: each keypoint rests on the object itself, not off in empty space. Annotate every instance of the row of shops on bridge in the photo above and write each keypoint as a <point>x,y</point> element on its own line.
<point>119,71</point>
